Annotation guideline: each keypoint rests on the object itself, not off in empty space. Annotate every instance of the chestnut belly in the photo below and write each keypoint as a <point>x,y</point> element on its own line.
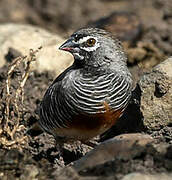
<point>84,127</point>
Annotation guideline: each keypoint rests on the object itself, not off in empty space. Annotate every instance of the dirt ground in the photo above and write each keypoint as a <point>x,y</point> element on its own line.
<point>150,43</point>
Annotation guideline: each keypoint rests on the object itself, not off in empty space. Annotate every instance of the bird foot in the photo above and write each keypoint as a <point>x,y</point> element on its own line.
<point>92,144</point>
<point>60,160</point>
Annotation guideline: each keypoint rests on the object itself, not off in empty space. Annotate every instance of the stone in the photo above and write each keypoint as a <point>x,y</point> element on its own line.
<point>18,39</point>
<point>146,54</point>
<point>141,176</point>
<point>123,147</point>
<point>69,173</point>
<point>30,172</point>
<point>122,24</point>
<point>156,95</point>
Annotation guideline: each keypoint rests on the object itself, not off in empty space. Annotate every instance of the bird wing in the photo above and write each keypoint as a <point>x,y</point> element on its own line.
<point>50,108</point>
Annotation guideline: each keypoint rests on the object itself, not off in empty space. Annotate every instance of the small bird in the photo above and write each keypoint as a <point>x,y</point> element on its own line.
<point>89,96</point>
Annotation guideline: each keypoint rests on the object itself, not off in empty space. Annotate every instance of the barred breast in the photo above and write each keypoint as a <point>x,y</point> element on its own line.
<point>82,106</point>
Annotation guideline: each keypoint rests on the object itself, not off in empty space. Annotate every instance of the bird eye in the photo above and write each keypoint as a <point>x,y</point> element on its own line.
<point>91,42</point>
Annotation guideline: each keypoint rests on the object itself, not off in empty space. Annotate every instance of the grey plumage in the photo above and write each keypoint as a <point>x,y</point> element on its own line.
<point>99,74</point>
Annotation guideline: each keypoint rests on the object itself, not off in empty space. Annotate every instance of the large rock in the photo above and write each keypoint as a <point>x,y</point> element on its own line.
<point>156,98</point>
<point>122,147</point>
<point>18,39</point>
<point>151,103</point>
<point>141,176</point>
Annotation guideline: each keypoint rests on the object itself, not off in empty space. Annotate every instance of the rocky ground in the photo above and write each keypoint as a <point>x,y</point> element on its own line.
<point>145,28</point>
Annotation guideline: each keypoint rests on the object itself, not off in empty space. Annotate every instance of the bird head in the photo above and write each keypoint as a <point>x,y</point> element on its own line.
<point>94,47</point>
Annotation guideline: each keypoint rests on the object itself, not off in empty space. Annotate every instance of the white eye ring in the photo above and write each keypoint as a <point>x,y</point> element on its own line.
<point>91,42</point>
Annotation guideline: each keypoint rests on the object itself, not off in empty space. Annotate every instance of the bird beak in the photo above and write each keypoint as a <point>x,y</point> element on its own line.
<point>67,46</point>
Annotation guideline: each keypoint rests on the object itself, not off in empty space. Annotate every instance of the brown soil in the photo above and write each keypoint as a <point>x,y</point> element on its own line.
<point>40,153</point>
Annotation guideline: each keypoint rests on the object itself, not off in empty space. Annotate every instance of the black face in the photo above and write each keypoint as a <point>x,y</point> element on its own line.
<point>81,45</point>
<point>86,41</point>
<point>94,48</point>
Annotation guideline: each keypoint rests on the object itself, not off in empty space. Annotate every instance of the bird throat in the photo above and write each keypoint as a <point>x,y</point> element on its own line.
<point>89,65</point>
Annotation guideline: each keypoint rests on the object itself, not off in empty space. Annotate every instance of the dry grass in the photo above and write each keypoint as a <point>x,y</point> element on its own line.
<point>12,130</point>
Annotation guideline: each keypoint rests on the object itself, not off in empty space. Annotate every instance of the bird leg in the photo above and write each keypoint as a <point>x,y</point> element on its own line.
<point>92,144</point>
<point>60,160</point>
<point>59,144</point>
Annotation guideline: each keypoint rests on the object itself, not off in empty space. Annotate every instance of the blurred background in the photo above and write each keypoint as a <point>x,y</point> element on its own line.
<point>144,26</point>
<point>145,29</point>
